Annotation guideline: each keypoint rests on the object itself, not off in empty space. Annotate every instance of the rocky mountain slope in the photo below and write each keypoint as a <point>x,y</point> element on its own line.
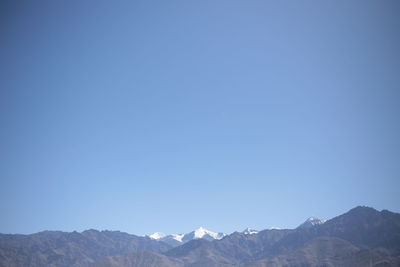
<point>54,248</point>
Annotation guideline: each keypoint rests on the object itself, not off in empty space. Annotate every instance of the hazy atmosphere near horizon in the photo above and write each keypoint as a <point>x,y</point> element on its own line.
<point>145,116</point>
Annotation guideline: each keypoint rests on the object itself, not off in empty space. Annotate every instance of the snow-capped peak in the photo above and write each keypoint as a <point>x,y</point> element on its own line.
<point>157,235</point>
<point>178,239</point>
<point>249,231</point>
<point>201,232</point>
<point>310,222</point>
<point>315,221</point>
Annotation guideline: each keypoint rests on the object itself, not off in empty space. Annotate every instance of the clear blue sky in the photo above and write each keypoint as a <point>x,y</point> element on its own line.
<point>146,116</point>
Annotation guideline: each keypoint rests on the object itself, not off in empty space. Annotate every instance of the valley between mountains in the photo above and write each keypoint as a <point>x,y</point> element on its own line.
<point>361,237</point>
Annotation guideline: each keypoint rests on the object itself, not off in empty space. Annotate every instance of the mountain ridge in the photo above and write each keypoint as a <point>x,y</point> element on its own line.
<point>179,239</point>
<point>345,240</point>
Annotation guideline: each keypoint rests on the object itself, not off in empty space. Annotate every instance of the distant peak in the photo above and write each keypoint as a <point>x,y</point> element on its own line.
<point>201,231</point>
<point>363,209</point>
<point>249,231</point>
<point>311,222</point>
<point>157,235</point>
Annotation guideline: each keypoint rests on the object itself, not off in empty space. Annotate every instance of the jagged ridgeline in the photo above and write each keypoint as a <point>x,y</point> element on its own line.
<point>361,237</point>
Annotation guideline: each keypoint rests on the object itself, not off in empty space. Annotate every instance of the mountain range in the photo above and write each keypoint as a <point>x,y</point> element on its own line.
<point>362,236</point>
<point>179,239</point>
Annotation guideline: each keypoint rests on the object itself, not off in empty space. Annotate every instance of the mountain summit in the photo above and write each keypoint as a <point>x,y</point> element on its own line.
<point>157,235</point>
<point>204,234</point>
<point>179,239</point>
<point>249,231</point>
<point>311,222</point>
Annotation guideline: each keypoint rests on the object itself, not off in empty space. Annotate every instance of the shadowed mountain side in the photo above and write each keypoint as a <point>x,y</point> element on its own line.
<point>142,258</point>
<point>362,226</point>
<point>201,252</point>
<point>322,251</point>
<point>367,228</point>
<point>70,249</point>
<point>327,251</point>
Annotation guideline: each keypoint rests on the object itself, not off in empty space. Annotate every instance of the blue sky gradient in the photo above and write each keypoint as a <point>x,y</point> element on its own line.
<point>146,116</point>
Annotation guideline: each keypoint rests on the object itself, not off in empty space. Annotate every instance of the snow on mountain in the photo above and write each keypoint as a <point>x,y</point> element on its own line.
<point>202,233</point>
<point>311,222</point>
<point>179,239</point>
<point>173,240</point>
<point>157,236</point>
<point>249,231</point>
